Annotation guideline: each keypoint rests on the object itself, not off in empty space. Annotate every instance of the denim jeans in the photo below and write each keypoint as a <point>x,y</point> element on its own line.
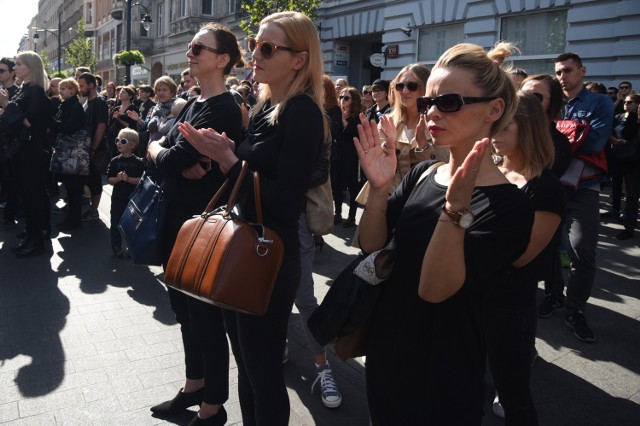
<point>306,301</point>
<point>582,225</point>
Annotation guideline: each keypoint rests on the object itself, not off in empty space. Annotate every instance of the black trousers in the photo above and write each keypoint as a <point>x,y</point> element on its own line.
<point>31,170</point>
<point>510,335</point>
<point>206,351</point>
<point>258,344</point>
<point>117,209</point>
<point>74,185</point>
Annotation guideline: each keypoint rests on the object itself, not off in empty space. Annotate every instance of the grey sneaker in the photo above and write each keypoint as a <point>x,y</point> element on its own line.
<point>331,396</point>
<point>578,324</point>
<point>90,215</point>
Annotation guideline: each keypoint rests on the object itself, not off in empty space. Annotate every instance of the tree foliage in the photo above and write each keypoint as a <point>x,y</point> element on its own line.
<point>257,10</point>
<point>80,51</point>
<point>45,61</point>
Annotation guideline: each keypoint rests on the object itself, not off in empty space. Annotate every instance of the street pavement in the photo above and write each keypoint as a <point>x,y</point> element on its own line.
<point>89,339</point>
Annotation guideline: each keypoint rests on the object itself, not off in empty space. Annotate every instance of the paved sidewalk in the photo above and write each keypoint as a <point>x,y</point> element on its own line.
<point>89,339</point>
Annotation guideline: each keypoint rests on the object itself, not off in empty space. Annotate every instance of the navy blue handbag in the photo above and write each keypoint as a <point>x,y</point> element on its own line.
<point>143,223</point>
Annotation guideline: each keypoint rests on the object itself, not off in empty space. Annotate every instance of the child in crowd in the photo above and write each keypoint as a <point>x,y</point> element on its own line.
<point>169,120</point>
<point>124,174</point>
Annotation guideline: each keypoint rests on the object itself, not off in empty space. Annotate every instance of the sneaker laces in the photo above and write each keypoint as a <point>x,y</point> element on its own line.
<point>328,386</point>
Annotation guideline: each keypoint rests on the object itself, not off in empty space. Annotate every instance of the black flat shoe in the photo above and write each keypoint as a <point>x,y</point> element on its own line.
<point>318,241</point>
<point>31,249</point>
<point>181,402</point>
<point>625,235</point>
<point>350,222</point>
<point>219,419</point>
<point>21,244</point>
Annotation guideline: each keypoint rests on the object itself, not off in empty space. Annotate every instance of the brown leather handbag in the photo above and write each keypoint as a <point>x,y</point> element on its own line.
<point>224,260</point>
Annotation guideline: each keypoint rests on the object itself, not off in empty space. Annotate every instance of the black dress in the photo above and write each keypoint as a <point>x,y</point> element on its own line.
<point>425,361</point>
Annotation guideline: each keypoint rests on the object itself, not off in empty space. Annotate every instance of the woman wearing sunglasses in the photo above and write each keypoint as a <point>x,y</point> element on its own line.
<point>524,153</point>
<point>283,143</point>
<point>191,179</point>
<point>455,230</point>
<point>344,161</point>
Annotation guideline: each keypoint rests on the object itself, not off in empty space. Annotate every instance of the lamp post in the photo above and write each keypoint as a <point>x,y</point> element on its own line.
<point>146,22</point>
<point>56,31</point>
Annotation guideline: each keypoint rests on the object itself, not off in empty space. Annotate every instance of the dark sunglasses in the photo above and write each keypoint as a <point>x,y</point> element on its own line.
<point>366,92</point>
<point>196,49</point>
<point>122,141</point>
<point>451,102</point>
<point>345,98</point>
<point>629,102</point>
<point>267,50</point>
<point>413,86</point>
<point>624,87</point>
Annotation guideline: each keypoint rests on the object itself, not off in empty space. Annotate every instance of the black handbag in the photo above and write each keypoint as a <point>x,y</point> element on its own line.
<point>143,223</point>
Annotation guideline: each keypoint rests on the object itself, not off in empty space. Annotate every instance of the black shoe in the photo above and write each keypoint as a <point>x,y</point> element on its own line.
<point>31,249</point>
<point>7,224</point>
<point>318,241</point>
<point>181,402</point>
<point>350,222</point>
<point>219,419</point>
<point>21,244</point>
<point>549,305</point>
<point>611,214</point>
<point>578,324</point>
<point>625,235</point>
<point>337,219</point>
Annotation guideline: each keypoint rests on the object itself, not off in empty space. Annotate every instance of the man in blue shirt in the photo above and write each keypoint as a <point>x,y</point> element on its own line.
<point>582,217</point>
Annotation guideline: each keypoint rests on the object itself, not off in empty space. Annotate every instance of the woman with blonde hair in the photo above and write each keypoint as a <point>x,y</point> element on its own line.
<point>283,143</point>
<point>26,116</point>
<point>456,227</point>
<point>166,91</point>
<point>524,152</point>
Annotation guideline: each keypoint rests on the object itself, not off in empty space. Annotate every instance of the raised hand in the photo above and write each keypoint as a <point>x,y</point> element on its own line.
<point>378,161</point>
<point>464,179</point>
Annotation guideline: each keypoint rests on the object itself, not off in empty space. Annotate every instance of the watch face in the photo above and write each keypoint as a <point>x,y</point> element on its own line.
<point>466,220</point>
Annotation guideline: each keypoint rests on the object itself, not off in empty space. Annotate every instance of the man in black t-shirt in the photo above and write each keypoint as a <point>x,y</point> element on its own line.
<point>97,115</point>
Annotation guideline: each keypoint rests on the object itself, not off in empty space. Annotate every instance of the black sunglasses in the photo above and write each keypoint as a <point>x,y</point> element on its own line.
<point>267,50</point>
<point>345,98</point>
<point>122,141</point>
<point>413,86</point>
<point>366,92</point>
<point>196,49</point>
<point>451,102</point>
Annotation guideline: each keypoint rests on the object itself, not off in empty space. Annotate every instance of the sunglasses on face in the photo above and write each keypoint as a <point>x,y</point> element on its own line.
<point>450,102</point>
<point>122,141</point>
<point>196,49</point>
<point>267,50</point>
<point>625,87</point>
<point>413,86</point>
<point>629,102</point>
<point>345,98</point>
<point>366,92</point>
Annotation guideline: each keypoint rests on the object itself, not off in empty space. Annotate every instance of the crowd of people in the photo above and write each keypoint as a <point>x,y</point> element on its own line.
<point>462,166</point>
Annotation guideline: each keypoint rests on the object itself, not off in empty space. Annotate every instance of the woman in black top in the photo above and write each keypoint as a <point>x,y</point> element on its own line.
<point>283,144</point>
<point>119,118</point>
<point>344,168</point>
<point>525,152</point>
<point>68,120</point>
<point>191,180</point>
<point>29,124</point>
<point>454,232</point>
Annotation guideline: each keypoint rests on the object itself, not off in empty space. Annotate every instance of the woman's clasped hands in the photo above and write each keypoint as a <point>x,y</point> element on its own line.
<point>208,142</point>
<point>377,159</point>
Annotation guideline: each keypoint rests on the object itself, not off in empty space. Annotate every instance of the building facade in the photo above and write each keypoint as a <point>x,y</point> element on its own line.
<point>367,39</point>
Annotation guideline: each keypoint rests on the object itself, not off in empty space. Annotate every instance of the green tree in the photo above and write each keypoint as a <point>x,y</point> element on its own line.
<point>256,10</point>
<point>45,62</point>
<point>80,51</point>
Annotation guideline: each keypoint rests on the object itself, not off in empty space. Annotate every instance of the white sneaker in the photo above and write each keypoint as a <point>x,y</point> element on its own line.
<point>497,408</point>
<point>331,396</point>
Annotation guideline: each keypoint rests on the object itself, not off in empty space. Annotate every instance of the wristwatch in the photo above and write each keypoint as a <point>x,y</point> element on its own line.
<point>463,218</point>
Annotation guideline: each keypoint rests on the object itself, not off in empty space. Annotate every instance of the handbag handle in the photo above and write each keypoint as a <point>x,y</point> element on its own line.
<point>236,190</point>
